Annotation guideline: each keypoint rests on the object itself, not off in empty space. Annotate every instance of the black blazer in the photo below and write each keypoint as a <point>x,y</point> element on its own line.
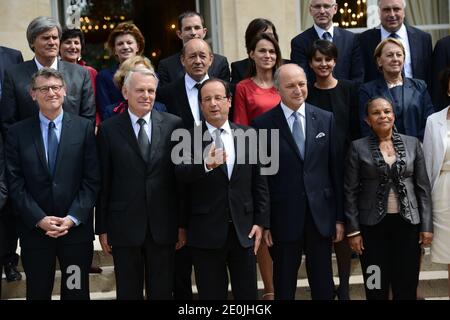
<point>170,69</point>
<point>8,57</point>
<point>441,60</point>
<point>137,196</point>
<point>175,98</point>
<point>419,43</point>
<point>362,178</point>
<point>314,183</point>
<point>72,190</point>
<point>3,197</point>
<point>212,198</point>
<point>349,64</point>
<point>17,104</point>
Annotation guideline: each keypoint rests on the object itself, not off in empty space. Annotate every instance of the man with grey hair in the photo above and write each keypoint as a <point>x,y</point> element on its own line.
<point>54,177</point>
<point>349,64</point>
<point>137,216</point>
<point>417,43</point>
<point>43,34</point>
<point>306,212</point>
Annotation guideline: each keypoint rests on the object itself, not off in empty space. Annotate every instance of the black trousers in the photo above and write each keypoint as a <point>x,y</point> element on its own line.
<point>152,262</point>
<point>287,258</point>
<point>211,276</point>
<point>11,237</point>
<point>74,260</point>
<point>392,251</point>
<point>183,274</point>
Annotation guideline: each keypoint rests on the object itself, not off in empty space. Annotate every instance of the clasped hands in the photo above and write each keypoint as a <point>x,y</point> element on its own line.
<point>55,227</point>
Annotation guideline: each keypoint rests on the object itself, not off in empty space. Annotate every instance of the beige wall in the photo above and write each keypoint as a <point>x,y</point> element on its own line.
<point>15,15</point>
<point>236,14</point>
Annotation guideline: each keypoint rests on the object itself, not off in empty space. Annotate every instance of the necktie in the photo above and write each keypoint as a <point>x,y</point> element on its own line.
<point>327,36</point>
<point>394,35</point>
<point>52,147</point>
<point>219,145</point>
<point>143,141</point>
<point>197,86</point>
<point>297,133</point>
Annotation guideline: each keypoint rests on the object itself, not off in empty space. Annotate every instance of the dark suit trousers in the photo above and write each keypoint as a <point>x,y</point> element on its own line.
<point>287,257</point>
<point>211,275</point>
<point>11,240</point>
<point>392,245</point>
<point>183,274</point>
<point>74,260</point>
<point>153,260</point>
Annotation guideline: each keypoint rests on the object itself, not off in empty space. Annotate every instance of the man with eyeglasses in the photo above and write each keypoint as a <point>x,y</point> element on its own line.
<point>227,202</point>
<point>54,176</point>
<point>349,64</point>
<point>417,43</point>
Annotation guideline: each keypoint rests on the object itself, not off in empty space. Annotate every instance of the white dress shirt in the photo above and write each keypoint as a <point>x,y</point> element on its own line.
<point>321,31</point>
<point>40,66</point>
<point>228,143</point>
<point>403,37</point>
<point>192,94</point>
<point>290,120</point>
<point>137,127</point>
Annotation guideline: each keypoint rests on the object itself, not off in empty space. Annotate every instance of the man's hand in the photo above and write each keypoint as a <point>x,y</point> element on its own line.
<point>426,238</point>
<point>356,244</point>
<point>257,232</point>
<point>53,226</point>
<point>339,232</point>
<point>103,238</point>
<point>181,238</point>
<point>268,238</point>
<point>215,157</point>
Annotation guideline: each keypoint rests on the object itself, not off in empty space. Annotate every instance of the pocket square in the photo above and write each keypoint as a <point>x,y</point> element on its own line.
<point>320,135</point>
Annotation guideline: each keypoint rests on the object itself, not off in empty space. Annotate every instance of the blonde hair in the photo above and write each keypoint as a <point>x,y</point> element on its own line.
<point>127,66</point>
<point>382,44</point>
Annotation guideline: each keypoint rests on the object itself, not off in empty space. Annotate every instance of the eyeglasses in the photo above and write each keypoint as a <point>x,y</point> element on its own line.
<point>217,98</point>
<point>324,6</point>
<point>44,89</point>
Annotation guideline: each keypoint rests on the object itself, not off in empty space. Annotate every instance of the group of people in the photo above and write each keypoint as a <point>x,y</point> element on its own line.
<point>343,120</point>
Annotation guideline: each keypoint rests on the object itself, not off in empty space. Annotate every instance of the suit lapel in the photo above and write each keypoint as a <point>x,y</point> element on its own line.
<point>183,103</point>
<point>126,129</point>
<point>63,140</point>
<point>35,130</point>
<point>235,165</point>
<point>310,130</point>
<point>282,125</point>
<point>413,37</point>
<point>155,136</point>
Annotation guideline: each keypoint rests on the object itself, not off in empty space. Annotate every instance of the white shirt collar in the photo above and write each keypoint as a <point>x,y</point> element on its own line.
<point>226,127</point>
<point>190,83</point>
<point>53,66</point>
<point>321,31</point>
<point>135,118</point>
<point>402,33</point>
<point>288,111</point>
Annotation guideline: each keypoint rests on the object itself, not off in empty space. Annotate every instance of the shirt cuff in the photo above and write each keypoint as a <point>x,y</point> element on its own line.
<point>353,234</point>
<point>75,220</point>
<point>206,168</point>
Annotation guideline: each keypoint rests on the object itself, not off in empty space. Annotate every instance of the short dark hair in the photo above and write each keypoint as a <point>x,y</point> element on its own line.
<point>252,47</point>
<point>444,79</point>
<point>369,103</point>
<point>73,33</point>
<point>325,47</point>
<point>46,73</point>
<point>224,83</point>
<point>257,26</point>
<point>188,14</point>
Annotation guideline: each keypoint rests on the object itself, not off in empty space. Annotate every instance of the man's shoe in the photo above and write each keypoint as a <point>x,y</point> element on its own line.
<point>11,273</point>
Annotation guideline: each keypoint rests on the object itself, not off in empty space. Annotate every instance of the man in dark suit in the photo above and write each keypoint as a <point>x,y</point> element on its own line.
<point>227,201</point>
<point>43,36</point>
<point>441,61</point>
<point>190,26</point>
<point>349,63</point>
<point>9,57</point>
<point>181,99</point>
<point>137,214</point>
<point>416,42</point>
<point>306,192</point>
<point>54,177</point>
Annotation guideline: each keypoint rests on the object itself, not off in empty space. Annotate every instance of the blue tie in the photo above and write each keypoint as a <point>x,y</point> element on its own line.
<point>297,133</point>
<point>52,147</point>
<point>327,36</point>
<point>394,35</point>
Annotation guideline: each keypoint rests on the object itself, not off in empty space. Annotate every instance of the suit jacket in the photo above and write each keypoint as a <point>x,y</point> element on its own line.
<point>415,107</point>
<point>175,98</point>
<point>313,184</point>
<point>3,197</point>
<point>441,60</point>
<point>349,64</point>
<point>137,196</point>
<point>36,194</point>
<point>420,46</point>
<point>363,176</point>
<point>107,93</point>
<point>213,198</point>
<point>170,69</point>
<point>8,57</point>
<point>435,144</point>
<point>17,104</point>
